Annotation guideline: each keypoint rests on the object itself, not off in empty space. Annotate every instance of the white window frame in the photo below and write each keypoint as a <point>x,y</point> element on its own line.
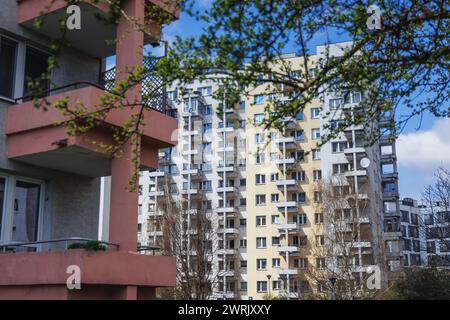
<point>8,207</point>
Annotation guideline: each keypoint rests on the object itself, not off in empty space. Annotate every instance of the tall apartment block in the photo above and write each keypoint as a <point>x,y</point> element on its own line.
<point>426,233</point>
<point>49,180</point>
<point>262,187</point>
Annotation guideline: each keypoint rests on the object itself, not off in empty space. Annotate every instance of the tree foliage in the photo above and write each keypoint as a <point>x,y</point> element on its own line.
<point>422,284</point>
<point>401,66</point>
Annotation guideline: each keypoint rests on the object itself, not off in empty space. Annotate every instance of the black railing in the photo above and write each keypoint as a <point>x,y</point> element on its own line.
<point>154,95</point>
<point>34,244</point>
<point>67,87</point>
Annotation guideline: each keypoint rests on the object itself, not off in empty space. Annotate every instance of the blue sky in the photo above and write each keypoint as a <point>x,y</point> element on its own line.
<point>420,150</point>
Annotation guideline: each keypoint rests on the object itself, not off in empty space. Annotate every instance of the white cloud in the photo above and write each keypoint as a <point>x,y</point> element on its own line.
<point>425,150</point>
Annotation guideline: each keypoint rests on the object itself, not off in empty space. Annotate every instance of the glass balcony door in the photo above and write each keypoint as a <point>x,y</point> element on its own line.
<point>21,202</point>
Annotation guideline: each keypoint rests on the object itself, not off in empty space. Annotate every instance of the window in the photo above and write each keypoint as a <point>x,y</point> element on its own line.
<point>206,110</point>
<point>300,219</point>
<point>242,105</point>
<point>261,243</point>
<point>172,95</point>
<point>317,175</point>
<point>357,97</point>
<point>242,222</point>
<point>261,286</point>
<point>242,124</point>
<point>299,197</point>
<point>261,264</point>
<point>260,199</point>
<point>299,135</point>
<point>275,241</point>
<point>301,263</point>
<point>22,219</point>
<point>320,240</point>
<point>275,219</point>
<point>260,158</point>
<point>258,118</point>
<point>243,286</point>
<point>243,243</point>
<point>207,147</point>
<point>276,285</point>
<point>274,177</point>
<point>36,64</point>
<point>276,262</point>
<point>317,196</point>
<point>315,133</point>
<point>243,263</point>
<point>260,221</point>
<point>299,176</point>
<point>316,154</point>
<point>338,147</point>
<point>336,103</point>
<point>315,113</point>
<point>258,99</point>
<point>318,218</point>
<point>259,138</point>
<point>8,51</point>
<point>299,116</point>
<point>207,127</point>
<point>320,263</point>
<point>260,178</point>
<point>242,182</point>
<point>205,91</point>
<point>274,197</point>
<point>340,168</point>
<point>298,155</point>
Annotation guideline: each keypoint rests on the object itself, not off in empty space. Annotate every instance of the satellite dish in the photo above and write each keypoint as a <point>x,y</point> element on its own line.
<point>365,162</point>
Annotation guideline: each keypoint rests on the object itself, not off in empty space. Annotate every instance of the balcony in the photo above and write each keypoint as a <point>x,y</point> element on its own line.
<point>229,190</point>
<point>291,206</point>
<point>104,274</point>
<point>360,174</point>
<point>229,169</point>
<point>96,36</point>
<point>287,161</point>
<point>290,184</point>
<point>288,226</point>
<point>156,174</point>
<point>231,113</point>
<point>157,233</point>
<point>53,148</point>
<point>389,176</point>
<point>360,152</point>
<point>289,142</point>
<point>187,133</point>
<point>156,193</point>
<point>289,123</point>
<point>227,251</point>
<point>191,152</point>
<point>227,210</point>
<point>391,195</point>
<point>228,148</point>
<point>287,272</point>
<point>290,249</point>
<point>233,231</point>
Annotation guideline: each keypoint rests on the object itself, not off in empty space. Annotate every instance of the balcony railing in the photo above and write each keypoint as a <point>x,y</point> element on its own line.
<point>153,88</point>
<point>35,245</point>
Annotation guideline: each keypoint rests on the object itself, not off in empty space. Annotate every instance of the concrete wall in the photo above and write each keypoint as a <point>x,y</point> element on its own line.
<point>71,202</point>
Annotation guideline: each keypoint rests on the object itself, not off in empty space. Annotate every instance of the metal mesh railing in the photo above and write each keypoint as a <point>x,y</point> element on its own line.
<point>153,87</point>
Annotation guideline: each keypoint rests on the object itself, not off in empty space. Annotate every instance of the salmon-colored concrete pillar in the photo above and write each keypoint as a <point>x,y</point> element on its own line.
<point>124,204</point>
